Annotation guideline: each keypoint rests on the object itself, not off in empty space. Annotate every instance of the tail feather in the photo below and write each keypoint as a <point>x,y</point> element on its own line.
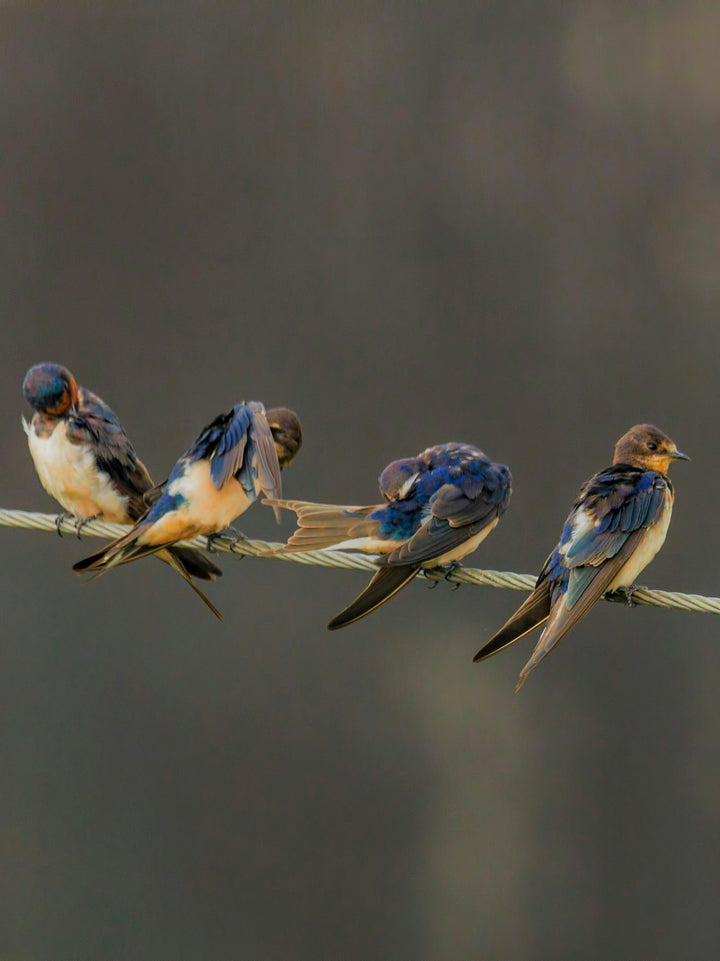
<point>324,525</point>
<point>176,563</point>
<point>196,563</point>
<point>185,561</point>
<point>531,614</point>
<point>384,585</point>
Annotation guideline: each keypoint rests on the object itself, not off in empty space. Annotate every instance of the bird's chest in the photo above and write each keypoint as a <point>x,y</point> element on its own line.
<point>69,473</point>
<point>205,507</point>
<point>652,540</point>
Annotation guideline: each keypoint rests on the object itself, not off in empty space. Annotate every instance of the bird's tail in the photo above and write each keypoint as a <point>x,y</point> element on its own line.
<point>324,525</point>
<point>531,614</point>
<point>386,583</point>
<point>175,559</point>
<point>120,551</point>
<point>196,563</point>
<point>186,561</point>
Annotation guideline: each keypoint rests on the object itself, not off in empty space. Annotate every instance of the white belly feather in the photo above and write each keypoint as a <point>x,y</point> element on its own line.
<point>69,473</point>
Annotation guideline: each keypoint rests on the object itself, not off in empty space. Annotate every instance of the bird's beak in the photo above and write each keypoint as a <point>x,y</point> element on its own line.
<point>678,455</point>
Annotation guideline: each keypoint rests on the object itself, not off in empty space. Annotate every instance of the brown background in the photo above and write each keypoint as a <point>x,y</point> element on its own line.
<point>495,223</point>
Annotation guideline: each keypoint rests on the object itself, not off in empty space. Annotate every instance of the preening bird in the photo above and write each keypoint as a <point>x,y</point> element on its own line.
<point>439,507</point>
<point>236,457</point>
<point>616,526</point>
<point>85,460</point>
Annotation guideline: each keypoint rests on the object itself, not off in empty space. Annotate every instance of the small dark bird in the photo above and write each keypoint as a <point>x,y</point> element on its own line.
<point>439,507</point>
<point>235,457</point>
<point>85,460</point>
<point>616,526</point>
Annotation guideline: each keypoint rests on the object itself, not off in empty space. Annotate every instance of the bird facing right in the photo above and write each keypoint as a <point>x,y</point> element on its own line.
<point>616,526</point>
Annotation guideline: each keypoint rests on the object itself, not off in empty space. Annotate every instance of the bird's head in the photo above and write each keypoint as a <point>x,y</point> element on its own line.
<point>647,447</point>
<point>287,433</point>
<point>50,389</point>
<point>397,479</point>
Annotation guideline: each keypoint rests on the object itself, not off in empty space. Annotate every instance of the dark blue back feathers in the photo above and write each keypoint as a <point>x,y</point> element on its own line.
<point>451,479</point>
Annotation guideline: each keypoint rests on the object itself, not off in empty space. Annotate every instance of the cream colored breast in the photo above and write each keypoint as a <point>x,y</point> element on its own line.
<point>652,540</point>
<point>69,473</point>
<point>208,509</point>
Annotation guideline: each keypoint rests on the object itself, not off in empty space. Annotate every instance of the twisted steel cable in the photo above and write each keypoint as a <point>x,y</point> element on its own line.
<point>350,561</point>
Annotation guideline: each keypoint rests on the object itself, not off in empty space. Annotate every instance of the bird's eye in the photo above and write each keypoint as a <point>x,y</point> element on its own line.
<point>651,446</point>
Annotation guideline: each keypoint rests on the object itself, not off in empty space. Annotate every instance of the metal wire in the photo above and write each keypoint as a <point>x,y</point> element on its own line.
<point>357,562</point>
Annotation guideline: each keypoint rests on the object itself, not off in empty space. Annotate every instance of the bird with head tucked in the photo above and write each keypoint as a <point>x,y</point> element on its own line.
<point>616,526</point>
<point>439,506</point>
<point>236,457</point>
<point>85,460</point>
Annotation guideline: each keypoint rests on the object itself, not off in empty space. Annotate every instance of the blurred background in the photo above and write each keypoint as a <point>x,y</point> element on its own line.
<point>487,222</point>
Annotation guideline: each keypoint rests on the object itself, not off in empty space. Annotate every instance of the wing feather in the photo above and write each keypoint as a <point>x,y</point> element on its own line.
<point>533,612</point>
<point>457,514</point>
<point>565,617</point>
<point>97,424</point>
<point>384,585</point>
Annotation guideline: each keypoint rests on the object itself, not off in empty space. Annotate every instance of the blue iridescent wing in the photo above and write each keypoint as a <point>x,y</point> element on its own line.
<point>457,513</point>
<point>622,502</point>
<point>240,444</point>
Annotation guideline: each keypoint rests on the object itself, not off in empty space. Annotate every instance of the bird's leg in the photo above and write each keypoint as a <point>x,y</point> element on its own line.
<point>623,595</point>
<point>450,569</point>
<point>80,522</point>
<point>230,536</point>
<point>60,519</point>
<point>447,570</point>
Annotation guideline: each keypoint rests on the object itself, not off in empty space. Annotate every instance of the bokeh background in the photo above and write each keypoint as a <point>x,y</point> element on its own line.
<point>489,222</point>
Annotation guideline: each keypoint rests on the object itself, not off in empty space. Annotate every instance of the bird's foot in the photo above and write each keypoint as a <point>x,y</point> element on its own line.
<point>229,536</point>
<point>82,521</point>
<point>623,595</point>
<point>447,570</point>
<point>60,520</point>
<point>450,570</point>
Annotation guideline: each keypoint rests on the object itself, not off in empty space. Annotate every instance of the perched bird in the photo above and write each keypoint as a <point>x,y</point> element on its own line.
<point>616,526</point>
<point>440,506</point>
<point>85,460</point>
<point>235,457</point>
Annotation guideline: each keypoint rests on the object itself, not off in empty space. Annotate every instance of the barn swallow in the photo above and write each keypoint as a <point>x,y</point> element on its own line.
<point>235,457</point>
<point>439,506</point>
<point>85,460</point>
<point>616,526</point>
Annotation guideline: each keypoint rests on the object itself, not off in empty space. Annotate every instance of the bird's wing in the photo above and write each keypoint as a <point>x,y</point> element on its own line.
<point>533,612</point>
<point>97,425</point>
<point>264,461</point>
<point>240,444</point>
<point>384,585</point>
<point>458,512</point>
